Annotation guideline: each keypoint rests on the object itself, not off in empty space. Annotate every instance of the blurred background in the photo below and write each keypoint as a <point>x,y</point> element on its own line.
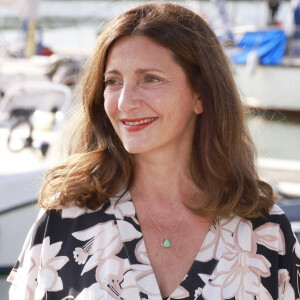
<point>43,45</point>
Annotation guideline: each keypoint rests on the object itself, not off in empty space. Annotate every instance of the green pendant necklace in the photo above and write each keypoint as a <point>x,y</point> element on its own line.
<point>166,240</point>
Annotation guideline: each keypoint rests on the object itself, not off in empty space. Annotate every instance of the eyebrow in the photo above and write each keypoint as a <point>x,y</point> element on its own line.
<point>111,72</point>
<point>139,71</point>
<point>142,71</point>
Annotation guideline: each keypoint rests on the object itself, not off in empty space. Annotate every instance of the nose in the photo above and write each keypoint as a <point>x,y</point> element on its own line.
<point>129,98</point>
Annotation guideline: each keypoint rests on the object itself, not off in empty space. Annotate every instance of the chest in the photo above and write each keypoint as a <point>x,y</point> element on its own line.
<point>171,265</point>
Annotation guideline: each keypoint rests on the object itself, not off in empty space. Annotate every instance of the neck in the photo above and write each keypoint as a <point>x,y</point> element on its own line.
<point>164,184</point>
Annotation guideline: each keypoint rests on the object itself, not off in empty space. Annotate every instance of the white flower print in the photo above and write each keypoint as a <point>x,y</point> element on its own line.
<point>94,292</point>
<point>24,281</point>
<point>240,268</point>
<point>204,277</point>
<point>276,210</point>
<point>27,252</point>
<point>127,231</point>
<point>86,294</point>
<point>141,253</point>
<point>48,279</point>
<point>103,241</point>
<point>81,254</point>
<point>73,211</point>
<point>143,272</point>
<point>122,208</point>
<point>263,294</point>
<point>216,239</point>
<point>271,236</point>
<point>20,288</point>
<point>198,293</point>
<point>285,289</point>
<point>115,277</point>
<point>180,293</point>
<point>146,280</point>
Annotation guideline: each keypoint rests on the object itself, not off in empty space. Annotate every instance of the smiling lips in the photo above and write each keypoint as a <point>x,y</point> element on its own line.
<point>137,124</point>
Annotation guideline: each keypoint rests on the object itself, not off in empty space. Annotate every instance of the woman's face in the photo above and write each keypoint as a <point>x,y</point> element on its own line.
<point>147,97</point>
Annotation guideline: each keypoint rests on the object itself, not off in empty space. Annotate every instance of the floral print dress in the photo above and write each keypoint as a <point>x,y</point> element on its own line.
<point>80,254</point>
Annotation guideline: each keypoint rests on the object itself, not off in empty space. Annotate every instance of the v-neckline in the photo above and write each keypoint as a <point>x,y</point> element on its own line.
<point>199,260</point>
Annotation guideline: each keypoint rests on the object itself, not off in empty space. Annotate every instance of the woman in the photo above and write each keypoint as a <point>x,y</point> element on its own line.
<point>160,197</point>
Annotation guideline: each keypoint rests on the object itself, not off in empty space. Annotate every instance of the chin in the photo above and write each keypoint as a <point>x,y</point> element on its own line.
<point>134,149</point>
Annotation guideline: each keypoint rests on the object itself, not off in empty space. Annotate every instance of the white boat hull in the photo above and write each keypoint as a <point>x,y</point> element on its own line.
<point>269,87</point>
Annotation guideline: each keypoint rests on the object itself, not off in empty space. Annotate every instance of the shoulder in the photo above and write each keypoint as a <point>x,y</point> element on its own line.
<point>261,253</point>
<point>274,218</point>
<point>270,235</point>
<point>60,224</point>
<point>274,232</point>
<point>72,211</point>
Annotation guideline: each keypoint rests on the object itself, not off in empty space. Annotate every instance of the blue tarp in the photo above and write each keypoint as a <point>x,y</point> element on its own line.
<point>268,45</point>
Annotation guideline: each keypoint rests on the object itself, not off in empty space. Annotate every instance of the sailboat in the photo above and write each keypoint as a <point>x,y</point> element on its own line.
<point>267,74</point>
<point>265,61</point>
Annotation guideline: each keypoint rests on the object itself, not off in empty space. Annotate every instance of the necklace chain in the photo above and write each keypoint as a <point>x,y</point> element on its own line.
<point>165,235</point>
<point>166,242</point>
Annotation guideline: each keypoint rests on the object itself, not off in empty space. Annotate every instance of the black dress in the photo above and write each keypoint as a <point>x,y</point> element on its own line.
<point>79,254</point>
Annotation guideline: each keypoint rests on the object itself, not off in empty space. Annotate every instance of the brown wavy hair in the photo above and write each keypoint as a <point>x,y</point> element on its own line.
<point>223,155</point>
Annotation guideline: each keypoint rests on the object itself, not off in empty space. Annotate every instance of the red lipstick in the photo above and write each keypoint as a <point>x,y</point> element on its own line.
<point>137,123</point>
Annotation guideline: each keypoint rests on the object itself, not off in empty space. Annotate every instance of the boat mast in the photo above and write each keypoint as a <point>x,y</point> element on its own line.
<point>221,6</point>
<point>29,13</point>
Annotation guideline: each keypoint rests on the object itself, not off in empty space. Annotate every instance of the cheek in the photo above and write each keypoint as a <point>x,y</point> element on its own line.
<point>110,106</point>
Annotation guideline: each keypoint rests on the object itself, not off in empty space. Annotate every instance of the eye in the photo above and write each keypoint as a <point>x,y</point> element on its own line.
<point>110,81</point>
<point>151,78</point>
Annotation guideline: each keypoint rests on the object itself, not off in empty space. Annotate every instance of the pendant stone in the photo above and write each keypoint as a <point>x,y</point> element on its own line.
<point>165,242</point>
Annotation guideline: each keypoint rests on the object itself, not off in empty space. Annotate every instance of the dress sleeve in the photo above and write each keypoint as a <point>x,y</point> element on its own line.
<point>289,264</point>
<point>24,274</point>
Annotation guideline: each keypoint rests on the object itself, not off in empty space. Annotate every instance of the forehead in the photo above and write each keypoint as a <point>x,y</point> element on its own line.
<point>138,50</point>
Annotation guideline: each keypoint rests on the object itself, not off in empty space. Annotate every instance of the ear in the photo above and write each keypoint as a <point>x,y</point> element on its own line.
<point>198,108</point>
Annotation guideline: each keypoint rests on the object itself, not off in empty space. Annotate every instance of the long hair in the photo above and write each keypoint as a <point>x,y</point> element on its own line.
<point>223,155</point>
